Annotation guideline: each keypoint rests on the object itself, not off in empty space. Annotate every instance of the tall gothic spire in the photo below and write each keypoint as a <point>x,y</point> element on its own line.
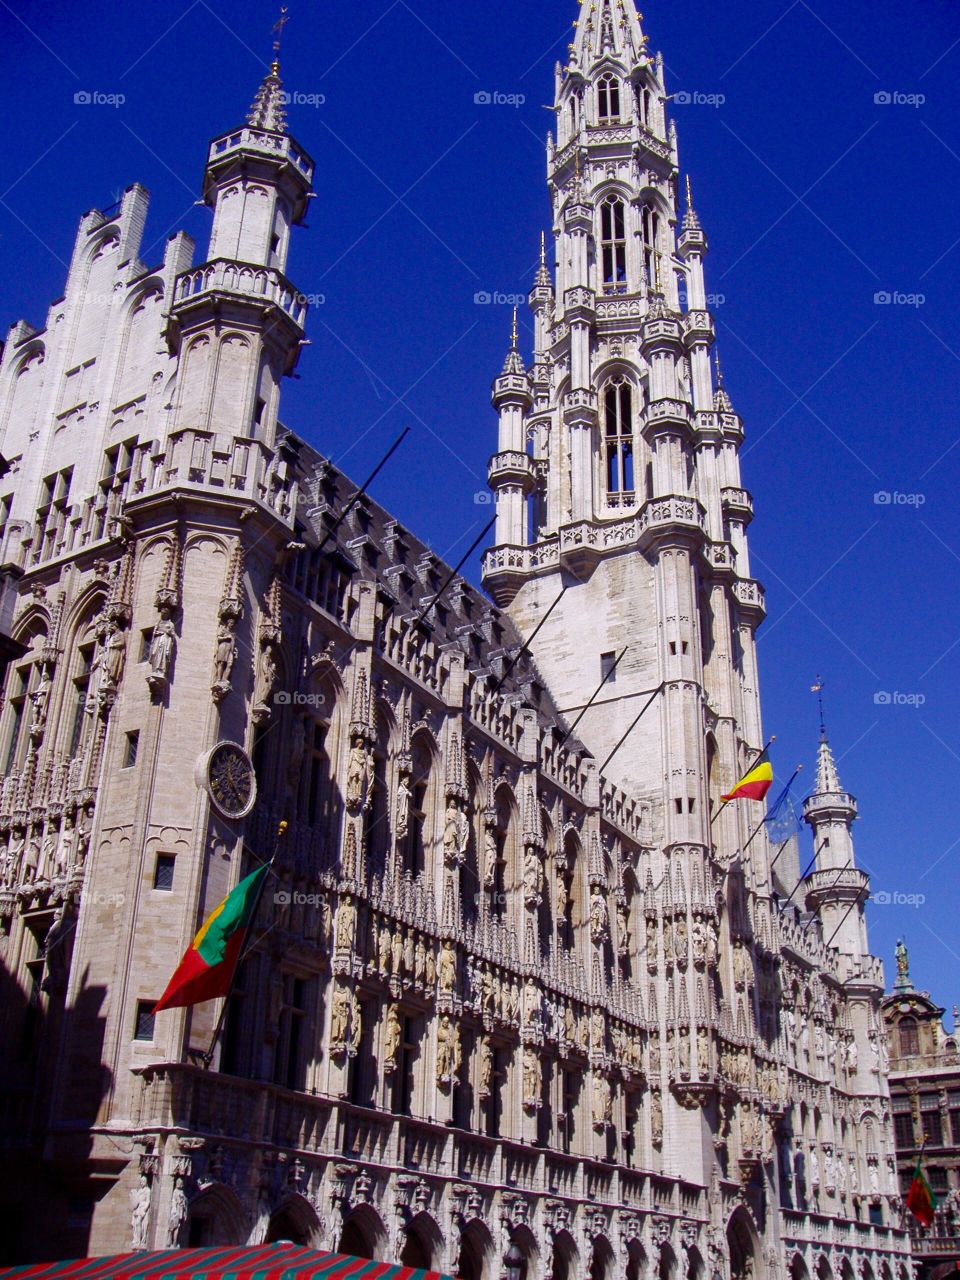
<point>828,780</point>
<point>269,111</point>
<point>608,28</point>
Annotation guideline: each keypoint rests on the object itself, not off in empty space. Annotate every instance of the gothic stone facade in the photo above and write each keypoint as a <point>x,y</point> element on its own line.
<point>925,1096</point>
<point>508,997</point>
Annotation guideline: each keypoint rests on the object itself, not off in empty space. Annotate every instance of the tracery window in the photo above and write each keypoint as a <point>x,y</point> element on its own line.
<point>613,244</point>
<point>650,227</point>
<point>608,99</point>
<point>618,438</point>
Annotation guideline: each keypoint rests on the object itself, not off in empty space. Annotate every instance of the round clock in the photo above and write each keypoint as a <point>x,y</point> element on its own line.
<point>226,773</point>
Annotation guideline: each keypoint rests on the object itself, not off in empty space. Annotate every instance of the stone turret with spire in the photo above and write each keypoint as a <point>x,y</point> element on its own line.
<point>836,889</point>
<point>238,311</point>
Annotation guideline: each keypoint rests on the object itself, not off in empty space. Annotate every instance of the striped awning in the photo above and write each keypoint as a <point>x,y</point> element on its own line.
<point>268,1262</point>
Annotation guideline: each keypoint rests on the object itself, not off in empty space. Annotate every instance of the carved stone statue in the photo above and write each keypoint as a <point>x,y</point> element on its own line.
<point>448,1050</point>
<point>598,917</point>
<point>531,1075</point>
<point>420,962</point>
<point>456,835</point>
<point>340,1017</point>
<point>404,796</point>
<point>163,646</point>
<point>396,953</point>
<point>383,950</point>
<point>266,677</point>
<point>391,1040</point>
<point>140,1215</point>
<point>345,925</point>
<point>356,1023</point>
<point>652,943</point>
<point>114,656</point>
<point>179,1210</point>
<point>903,963</point>
<point>491,856</point>
<point>703,1053</point>
<point>448,967</point>
<point>532,878</point>
<point>226,654</point>
<point>656,1119</point>
<point>602,1103</point>
<point>40,698</point>
<point>359,775</point>
<point>485,1074</point>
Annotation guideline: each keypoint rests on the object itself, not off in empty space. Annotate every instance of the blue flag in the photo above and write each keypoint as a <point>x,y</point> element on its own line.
<point>783,820</point>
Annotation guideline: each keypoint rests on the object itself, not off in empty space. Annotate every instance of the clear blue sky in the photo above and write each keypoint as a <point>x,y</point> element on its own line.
<point>815,196</point>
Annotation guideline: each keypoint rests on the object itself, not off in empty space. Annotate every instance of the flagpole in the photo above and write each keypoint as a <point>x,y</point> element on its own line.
<point>846,867</point>
<point>753,765</point>
<point>647,706</point>
<point>207,1058</point>
<point>810,865</point>
<point>783,795</point>
<point>596,695</point>
<point>363,488</point>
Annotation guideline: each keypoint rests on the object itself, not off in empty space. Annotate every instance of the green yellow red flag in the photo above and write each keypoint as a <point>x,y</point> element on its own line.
<point>921,1201</point>
<point>206,970</point>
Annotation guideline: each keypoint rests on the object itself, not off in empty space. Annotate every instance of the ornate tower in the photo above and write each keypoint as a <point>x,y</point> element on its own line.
<point>258,182</point>
<point>836,889</point>
<point>617,476</point>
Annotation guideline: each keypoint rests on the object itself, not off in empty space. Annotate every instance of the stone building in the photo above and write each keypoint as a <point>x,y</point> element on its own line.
<point>925,1097</point>
<point>525,990</point>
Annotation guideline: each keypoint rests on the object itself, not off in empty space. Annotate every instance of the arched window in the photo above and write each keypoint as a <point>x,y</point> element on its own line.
<point>644,105</point>
<point>618,439</point>
<point>650,226</point>
<point>608,99</point>
<point>613,244</point>
<point>416,843</point>
<point>909,1037</point>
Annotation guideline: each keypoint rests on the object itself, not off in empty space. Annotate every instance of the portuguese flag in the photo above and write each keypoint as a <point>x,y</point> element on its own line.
<point>920,1198</point>
<point>206,970</point>
<point>755,784</point>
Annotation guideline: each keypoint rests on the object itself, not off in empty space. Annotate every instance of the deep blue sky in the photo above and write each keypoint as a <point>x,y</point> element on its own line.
<point>815,198</point>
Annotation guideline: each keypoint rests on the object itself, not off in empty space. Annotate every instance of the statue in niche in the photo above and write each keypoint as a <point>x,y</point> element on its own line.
<point>448,967</point>
<point>226,654</point>
<point>392,1036</point>
<point>359,775</point>
<point>456,835</point>
<point>163,647</point>
<point>140,1216</point>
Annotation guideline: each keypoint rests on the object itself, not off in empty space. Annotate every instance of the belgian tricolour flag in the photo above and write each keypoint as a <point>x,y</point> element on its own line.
<point>920,1198</point>
<point>754,784</point>
<point>206,970</point>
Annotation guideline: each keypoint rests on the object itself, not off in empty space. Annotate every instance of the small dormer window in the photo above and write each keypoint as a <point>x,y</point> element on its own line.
<point>608,99</point>
<point>909,1037</point>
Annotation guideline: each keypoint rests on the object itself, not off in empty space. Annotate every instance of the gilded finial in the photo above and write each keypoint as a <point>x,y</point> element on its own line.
<point>543,248</point>
<point>514,336</point>
<point>689,194</point>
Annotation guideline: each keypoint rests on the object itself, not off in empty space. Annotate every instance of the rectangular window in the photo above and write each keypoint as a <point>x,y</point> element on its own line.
<point>130,749</point>
<point>81,686</point>
<point>608,668</point>
<point>938,1178</point>
<point>955,1127</point>
<point>146,640</point>
<point>163,872</point>
<point>903,1132</point>
<point>876,1215</point>
<point>143,1026</point>
<point>932,1128</point>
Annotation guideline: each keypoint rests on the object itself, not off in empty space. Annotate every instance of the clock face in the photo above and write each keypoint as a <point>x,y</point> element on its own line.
<point>230,780</point>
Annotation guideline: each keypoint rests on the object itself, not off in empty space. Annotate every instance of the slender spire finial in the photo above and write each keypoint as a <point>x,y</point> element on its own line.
<point>716,360</point>
<point>689,194</point>
<point>514,336</point>
<point>543,248</point>
<point>818,690</point>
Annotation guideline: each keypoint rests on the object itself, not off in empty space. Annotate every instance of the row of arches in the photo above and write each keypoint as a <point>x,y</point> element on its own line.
<point>217,1218</point>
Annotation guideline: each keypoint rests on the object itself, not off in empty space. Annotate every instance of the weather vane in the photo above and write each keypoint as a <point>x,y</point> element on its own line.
<point>818,690</point>
<point>278,30</point>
